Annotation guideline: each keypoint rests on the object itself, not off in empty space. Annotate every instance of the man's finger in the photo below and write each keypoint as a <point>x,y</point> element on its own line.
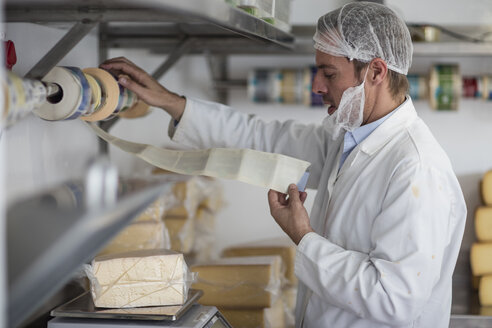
<point>136,73</point>
<point>273,199</point>
<point>128,83</point>
<point>294,194</point>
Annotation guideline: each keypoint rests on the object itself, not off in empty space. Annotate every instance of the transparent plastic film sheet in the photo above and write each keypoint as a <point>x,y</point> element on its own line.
<point>274,171</point>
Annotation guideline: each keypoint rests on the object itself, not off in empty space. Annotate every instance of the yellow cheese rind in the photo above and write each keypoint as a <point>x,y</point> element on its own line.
<point>283,247</point>
<point>483,224</point>
<point>139,278</point>
<point>272,317</point>
<point>486,187</point>
<point>137,236</point>
<point>480,258</point>
<point>241,282</point>
<point>485,291</point>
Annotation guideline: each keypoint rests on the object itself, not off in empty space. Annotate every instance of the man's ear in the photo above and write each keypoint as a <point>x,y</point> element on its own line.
<point>378,71</point>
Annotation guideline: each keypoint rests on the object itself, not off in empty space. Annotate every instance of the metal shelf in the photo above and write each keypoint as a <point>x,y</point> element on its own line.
<point>50,235</point>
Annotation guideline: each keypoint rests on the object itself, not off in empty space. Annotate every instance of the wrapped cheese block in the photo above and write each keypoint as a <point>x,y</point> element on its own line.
<point>480,258</point>
<point>486,187</point>
<point>485,291</point>
<point>483,223</point>
<point>272,317</point>
<point>140,278</point>
<point>239,282</point>
<point>283,247</point>
<point>137,236</point>
<point>181,232</point>
<point>289,295</point>
<point>153,212</point>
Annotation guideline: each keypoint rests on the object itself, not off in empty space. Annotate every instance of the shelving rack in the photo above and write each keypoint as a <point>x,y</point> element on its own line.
<point>177,28</point>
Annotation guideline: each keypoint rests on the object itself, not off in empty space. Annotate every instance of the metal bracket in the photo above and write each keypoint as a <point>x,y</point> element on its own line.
<point>66,43</point>
<point>219,72</point>
<point>173,57</point>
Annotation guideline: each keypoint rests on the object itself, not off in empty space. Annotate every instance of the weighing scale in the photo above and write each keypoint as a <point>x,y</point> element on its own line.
<point>81,313</point>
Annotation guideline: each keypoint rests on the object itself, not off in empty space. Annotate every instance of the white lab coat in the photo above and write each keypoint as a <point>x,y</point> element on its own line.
<point>388,225</point>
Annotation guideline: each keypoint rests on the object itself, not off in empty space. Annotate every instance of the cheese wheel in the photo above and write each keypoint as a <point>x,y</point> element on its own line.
<point>483,224</point>
<point>481,259</point>
<point>486,187</point>
<point>485,291</point>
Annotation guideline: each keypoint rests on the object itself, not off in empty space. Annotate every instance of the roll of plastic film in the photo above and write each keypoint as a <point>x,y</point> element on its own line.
<point>445,86</point>
<point>259,85</point>
<point>85,91</point>
<point>487,87</point>
<point>418,86</point>
<point>95,94</point>
<point>140,109</point>
<point>65,103</point>
<point>15,96</point>
<point>470,87</point>
<point>288,80</point>
<point>110,94</point>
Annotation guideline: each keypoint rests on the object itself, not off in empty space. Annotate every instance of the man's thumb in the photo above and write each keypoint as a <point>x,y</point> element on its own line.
<point>293,193</point>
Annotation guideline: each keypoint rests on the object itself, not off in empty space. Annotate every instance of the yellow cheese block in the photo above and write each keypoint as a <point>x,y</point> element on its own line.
<point>204,235</point>
<point>181,232</point>
<point>239,282</point>
<point>486,311</point>
<point>485,291</point>
<point>153,212</point>
<point>289,295</point>
<point>483,224</point>
<point>481,258</point>
<point>283,247</point>
<point>137,236</point>
<point>486,187</point>
<point>272,317</point>
<point>139,278</point>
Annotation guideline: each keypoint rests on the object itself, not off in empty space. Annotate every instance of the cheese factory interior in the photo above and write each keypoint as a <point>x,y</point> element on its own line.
<point>110,234</point>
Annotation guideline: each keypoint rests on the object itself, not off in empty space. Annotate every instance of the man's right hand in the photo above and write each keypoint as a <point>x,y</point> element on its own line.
<point>145,86</point>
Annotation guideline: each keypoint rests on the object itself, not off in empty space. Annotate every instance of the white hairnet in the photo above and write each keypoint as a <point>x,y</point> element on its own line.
<point>364,31</point>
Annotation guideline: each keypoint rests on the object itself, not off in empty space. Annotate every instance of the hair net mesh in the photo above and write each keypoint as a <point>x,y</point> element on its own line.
<point>364,31</point>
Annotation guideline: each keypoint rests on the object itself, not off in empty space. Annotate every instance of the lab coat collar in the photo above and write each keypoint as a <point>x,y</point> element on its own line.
<point>401,119</point>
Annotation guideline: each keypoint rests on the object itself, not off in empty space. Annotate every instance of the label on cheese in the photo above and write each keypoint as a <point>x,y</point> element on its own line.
<point>140,278</point>
<point>240,282</point>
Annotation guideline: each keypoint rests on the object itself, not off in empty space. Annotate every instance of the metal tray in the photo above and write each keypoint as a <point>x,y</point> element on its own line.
<point>83,307</point>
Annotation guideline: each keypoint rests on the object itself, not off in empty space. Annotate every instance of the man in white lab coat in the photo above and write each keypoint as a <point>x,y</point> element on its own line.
<point>385,230</point>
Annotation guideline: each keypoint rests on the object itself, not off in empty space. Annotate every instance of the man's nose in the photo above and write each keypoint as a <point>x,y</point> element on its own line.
<point>318,86</point>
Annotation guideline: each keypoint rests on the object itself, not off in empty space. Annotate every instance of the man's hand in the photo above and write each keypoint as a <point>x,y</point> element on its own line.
<point>145,86</point>
<point>290,214</point>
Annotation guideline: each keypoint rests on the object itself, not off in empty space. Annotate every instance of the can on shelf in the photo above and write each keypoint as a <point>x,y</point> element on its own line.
<point>445,86</point>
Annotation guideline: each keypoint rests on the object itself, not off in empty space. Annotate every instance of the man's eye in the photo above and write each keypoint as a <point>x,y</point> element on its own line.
<point>329,76</point>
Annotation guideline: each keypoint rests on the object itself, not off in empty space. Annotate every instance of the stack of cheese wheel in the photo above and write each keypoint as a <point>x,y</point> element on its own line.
<point>91,94</point>
<point>481,251</point>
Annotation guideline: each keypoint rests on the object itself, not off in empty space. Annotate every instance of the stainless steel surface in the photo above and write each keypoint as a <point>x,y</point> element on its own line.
<point>63,47</point>
<point>101,184</point>
<point>50,235</point>
<point>83,307</point>
<point>211,12</point>
<point>198,316</point>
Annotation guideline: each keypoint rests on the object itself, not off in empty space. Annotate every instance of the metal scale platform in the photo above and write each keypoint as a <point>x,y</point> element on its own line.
<point>81,313</point>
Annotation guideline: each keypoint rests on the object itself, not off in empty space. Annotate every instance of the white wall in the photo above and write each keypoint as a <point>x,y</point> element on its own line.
<point>41,153</point>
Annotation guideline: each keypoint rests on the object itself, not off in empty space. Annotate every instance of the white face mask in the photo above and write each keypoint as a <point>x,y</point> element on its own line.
<point>349,113</point>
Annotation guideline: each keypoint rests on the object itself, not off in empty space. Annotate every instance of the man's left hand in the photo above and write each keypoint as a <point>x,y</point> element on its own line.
<point>290,214</point>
